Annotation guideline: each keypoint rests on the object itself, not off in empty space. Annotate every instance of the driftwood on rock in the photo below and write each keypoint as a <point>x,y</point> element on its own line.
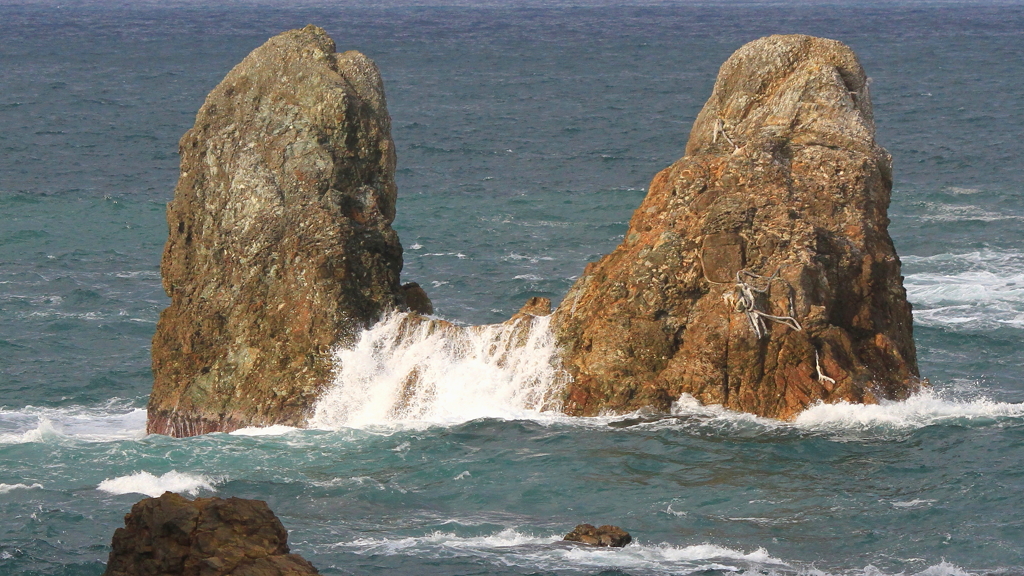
<point>758,273</point>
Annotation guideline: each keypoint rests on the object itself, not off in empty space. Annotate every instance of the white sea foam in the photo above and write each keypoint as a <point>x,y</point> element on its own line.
<point>925,408</point>
<point>968,291</point>
<point>427,375</point>
<point>941,212</point>
<point>5,488</point>
<point>151,485</point>
<point>275,430</point>
<point>112,421</point>
<point>548,553</point>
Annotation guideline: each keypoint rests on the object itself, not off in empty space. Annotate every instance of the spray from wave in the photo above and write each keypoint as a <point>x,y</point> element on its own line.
<point>407,370</point>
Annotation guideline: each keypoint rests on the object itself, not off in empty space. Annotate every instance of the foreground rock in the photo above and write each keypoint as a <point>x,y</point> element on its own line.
<point>280,240</point>
<point>172,535</point>
<point>758,273</point>
<point>606,535</point>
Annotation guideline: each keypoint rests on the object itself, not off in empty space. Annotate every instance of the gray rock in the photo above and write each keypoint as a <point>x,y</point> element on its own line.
<point>280,242</point>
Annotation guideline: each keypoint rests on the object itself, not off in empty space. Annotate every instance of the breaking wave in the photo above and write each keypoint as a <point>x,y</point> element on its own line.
<point>436,373</point>
<point>110,422</point>
<point>548,553</point>
<point>151,485</point>
<point>970,291</point>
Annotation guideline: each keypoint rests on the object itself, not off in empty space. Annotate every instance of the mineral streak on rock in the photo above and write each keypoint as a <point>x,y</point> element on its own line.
<point>607,535</point>
<point>758,273</point>
<point>173,536</point>
<point>280,242</point>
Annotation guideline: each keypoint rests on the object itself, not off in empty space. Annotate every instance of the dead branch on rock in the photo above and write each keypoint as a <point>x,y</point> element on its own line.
<point>817,367</point>
<point>720,128</point>
<point>747,302</point>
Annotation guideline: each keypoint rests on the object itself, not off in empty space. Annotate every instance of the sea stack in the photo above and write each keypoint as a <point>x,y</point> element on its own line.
<point>174,536</point>
<point>758,273</point>
<point>280,242</point>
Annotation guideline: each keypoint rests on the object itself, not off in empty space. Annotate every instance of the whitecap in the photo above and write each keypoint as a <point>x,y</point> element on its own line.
<point>926,408</point>
<point>151,485</point>
<point>549,553</point>
<point>5,488</point>
<point>915,503</point>
<point>112,421</point>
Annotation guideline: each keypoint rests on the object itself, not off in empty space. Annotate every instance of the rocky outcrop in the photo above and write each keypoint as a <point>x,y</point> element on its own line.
<point>172,536</point>
<point>758,273</point>
<point>280,242</point>
<point>607,535</point>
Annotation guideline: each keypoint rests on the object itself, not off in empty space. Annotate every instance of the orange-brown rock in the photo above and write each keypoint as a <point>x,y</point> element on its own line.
<point>174,536</point>
<point>758,273</point>
<point>280,242</point>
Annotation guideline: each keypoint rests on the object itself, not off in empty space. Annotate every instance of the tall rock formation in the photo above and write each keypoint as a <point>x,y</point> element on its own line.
<point>280,240</point>
<point>758,273</point>
<point>174,536</point>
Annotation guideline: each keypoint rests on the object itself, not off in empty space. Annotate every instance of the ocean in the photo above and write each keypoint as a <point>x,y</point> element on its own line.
<point>527,133</point>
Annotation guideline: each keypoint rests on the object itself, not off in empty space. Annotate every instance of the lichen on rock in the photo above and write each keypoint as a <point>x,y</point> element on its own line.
<point>758,273</point>
<point>280,242</point>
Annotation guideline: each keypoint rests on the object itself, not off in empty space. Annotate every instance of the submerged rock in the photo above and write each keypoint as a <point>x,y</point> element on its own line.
<point>758,273</point>
<point>172,536</point>
<point>280,242</point>
<point>606,535</point>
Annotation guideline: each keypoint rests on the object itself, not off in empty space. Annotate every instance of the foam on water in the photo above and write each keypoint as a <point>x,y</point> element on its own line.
<point>428,375</point>
<point>110,422</point>
<point>275,430</point>
<point>973,291</point>
<point>5,488</point>
<point>151,485</point>
<point>548,553</point>
<point>925,408</point>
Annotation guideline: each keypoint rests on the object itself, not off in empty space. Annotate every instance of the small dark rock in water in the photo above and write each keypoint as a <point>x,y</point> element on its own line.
<point>416,298</point>
<point>173,535</point>
<point>606,535</point>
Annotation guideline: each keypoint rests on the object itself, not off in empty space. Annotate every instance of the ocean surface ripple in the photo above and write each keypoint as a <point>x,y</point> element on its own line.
<point>526,133</point>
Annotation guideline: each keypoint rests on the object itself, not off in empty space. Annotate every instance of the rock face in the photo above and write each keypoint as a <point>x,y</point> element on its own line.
<point>606,535</point>
<point>280,240</point>
<point>172,536</point>
<point>758,273</point>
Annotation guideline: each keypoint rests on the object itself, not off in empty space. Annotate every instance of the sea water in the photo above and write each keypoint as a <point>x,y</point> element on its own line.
<point>526,134</point>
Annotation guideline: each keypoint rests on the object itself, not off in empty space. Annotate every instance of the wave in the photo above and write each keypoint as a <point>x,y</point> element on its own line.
<point>5,488</point>
<point>401,372</point>
<point>926,408</point>
<point>153,486</point>
<point>549,553</point>
<point>112,421</point>
<point>845,420</point>
<point>978,290</point>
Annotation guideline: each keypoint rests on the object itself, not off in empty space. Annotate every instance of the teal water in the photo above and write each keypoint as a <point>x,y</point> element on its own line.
<point>526,136</point>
